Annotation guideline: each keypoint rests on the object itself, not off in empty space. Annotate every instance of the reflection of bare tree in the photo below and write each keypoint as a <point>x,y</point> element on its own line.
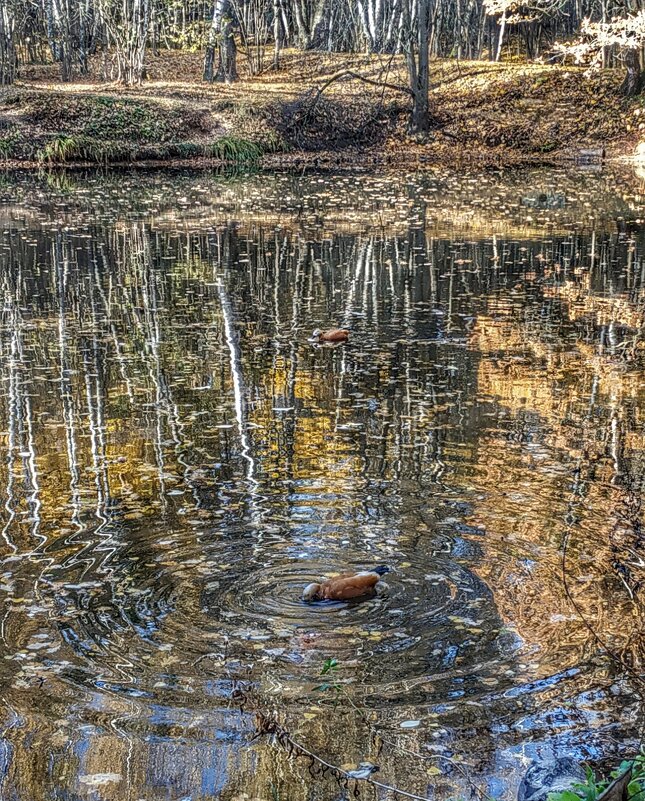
<point>237,376</point>
<point>61,263</point>
<point>161,340</point>
<point>11,316</point>
<point>21,431</point>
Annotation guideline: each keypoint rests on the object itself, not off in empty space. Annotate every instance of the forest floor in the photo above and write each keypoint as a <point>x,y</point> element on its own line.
<point>481,112</point>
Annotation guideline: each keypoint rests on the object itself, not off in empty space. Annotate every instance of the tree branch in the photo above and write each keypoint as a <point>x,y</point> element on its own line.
<point>357,76</point>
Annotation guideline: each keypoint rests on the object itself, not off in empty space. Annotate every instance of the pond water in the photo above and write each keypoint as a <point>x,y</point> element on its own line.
<point>177,461</point>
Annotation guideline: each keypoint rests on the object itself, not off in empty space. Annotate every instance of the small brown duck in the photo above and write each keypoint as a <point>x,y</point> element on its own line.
<point>347,586</point>
<point>331,335</point>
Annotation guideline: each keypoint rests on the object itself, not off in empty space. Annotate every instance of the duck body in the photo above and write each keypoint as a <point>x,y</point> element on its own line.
<point>346,586</point>
<point>331,335</point>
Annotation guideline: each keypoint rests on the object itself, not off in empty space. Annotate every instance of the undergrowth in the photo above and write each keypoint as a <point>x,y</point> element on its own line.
<point>65,149</point>
<point>592,788</point>
<point>232,148</point>
<point>10,144</point>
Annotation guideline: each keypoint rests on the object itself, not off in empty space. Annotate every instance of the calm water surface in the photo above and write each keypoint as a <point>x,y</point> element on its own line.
<point>177,461</point>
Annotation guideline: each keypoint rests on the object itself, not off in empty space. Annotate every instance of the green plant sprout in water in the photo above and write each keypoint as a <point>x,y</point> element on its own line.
<point>592,788</point>
<point>330,666</point>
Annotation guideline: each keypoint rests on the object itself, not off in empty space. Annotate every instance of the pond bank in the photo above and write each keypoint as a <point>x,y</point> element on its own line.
<point>485,113</point>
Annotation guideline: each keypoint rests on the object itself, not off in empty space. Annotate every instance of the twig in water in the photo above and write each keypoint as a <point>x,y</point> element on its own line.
<point>317,765</point>
<point>426,757</point>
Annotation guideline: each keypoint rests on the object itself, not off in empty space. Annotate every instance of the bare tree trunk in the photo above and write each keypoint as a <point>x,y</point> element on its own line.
<point>221,38</point>
<point>304,36</point>
<point>277,34</point>
<point>633,81</point>
<point>308,18</point>
<point>83,35</point>
<point>7,46</point>
<point>500,41</point>
<point>52,28</point>
<point>227,67</point>
<point>127,25</point>
<point>65,47</point>
<point>211,45</point>
<point>419,68</point>
<point>365,21</point>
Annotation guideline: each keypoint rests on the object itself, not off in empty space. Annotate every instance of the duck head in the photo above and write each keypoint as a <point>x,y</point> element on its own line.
<point>316,334</point>
<point>310,592</point>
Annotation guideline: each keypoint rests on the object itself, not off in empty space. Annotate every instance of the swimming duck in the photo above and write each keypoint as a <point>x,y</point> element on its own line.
<point>347,586</point>
<point>331,335</point>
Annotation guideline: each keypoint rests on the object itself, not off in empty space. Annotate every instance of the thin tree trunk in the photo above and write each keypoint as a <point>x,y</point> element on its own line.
<point>419,71</point>
<point>211,45</point>
<point>277,34</point>
<point>633,81</point>
<point>500,41</point>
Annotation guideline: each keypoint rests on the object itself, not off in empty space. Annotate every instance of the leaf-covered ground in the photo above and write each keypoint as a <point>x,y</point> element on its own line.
<point>481,112</point>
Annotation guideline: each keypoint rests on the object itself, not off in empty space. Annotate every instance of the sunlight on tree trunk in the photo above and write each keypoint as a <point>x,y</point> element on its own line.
<point>7,47</point>
<point>417,56</point>
<point>500,41</point>
<point>221,38</point>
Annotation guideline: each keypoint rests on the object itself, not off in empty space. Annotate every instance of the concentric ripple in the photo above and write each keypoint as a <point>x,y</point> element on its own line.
<point>210,615</point>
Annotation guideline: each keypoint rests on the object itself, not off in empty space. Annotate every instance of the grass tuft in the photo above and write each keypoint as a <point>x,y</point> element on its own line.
<point>232,148</point>
<point>63,149</point>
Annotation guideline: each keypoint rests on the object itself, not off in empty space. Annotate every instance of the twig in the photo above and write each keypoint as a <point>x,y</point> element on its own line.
<point>269,725</point>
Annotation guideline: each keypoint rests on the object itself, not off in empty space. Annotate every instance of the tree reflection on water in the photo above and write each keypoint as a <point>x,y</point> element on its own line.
<point>179,461</point>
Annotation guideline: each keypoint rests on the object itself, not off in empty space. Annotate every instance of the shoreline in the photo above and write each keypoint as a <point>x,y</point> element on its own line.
<point>483,114</point>
<point>352,161</point>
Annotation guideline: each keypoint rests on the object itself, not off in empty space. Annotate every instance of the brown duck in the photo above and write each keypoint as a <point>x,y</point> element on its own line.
<point>347,586</point>
<point>331,335</point>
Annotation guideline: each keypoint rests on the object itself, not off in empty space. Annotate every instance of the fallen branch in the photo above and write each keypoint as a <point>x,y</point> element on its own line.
<point>465,75</point>
<point>266,724</point>
<point>396,87</point>
<point>425,757</point>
